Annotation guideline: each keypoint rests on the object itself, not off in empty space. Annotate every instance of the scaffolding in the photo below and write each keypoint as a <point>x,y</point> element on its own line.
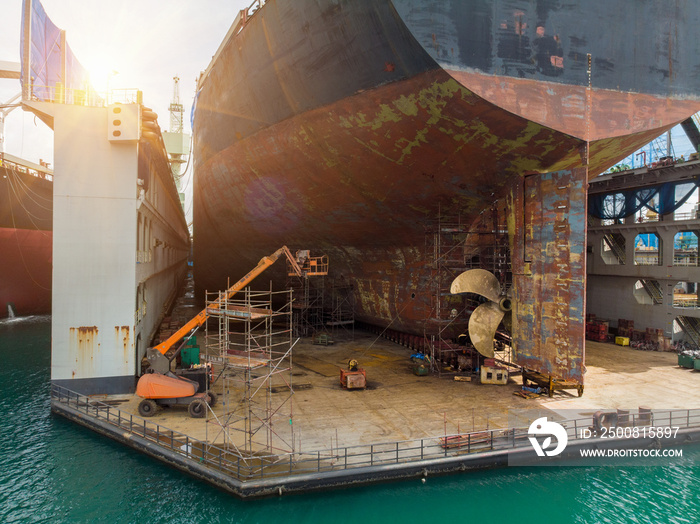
<point>342,312</point>
<point>452,247</point>
<point>249,344</point>
<point>308,295</point>
<point>307,305</point>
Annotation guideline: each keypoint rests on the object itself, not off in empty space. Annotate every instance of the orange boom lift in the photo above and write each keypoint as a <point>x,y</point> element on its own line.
<point>160,386</point>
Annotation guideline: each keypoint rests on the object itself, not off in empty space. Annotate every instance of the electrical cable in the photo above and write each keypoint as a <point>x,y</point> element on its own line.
<point>29,190</point>
<point>30,215</point>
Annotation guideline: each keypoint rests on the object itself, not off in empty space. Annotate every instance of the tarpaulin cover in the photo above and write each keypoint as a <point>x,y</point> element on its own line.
<point>661,199</point>
<point>48,81</point>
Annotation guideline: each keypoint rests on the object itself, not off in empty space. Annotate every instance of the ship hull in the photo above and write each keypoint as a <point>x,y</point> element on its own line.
<point>26,273</point>
<point>25,241</point>
<point>353,147</point>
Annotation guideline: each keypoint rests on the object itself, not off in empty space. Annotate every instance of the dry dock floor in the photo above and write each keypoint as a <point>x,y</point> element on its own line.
<point>397,405</point>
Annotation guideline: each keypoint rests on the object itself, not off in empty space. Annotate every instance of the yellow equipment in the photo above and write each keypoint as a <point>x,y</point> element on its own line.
<point>354,377</point>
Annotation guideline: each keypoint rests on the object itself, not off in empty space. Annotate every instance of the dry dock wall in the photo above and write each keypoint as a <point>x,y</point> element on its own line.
<point>613,298</point>
<point>120,243</point>
<point>94,248</point>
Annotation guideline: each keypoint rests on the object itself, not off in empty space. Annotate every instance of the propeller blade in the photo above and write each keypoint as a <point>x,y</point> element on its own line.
<point>477,281</point>
<point>483,323</point>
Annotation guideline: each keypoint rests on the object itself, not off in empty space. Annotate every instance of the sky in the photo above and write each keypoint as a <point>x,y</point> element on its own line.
<point>147,43</point>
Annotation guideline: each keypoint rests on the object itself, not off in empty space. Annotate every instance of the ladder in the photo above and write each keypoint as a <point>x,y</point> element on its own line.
<point>618,248</point>
<point>690,326</point>
<point>654,289</point>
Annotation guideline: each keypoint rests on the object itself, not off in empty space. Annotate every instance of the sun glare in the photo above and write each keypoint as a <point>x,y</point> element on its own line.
<point>101,65</point>
<point>102,76</point>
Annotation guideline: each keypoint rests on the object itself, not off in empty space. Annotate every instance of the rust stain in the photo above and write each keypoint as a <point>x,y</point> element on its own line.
<point>122,339</point>
<point>83,344</point>
<point>548,239</point>
<point>434,147</point>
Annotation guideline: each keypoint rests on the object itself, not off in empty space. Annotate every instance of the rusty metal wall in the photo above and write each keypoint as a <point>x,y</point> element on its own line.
<point>547,226</point>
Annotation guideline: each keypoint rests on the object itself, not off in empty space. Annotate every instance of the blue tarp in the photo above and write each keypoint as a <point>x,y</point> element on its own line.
<point>648,240</point>
<point>48,83</point>
<point>661,199</point>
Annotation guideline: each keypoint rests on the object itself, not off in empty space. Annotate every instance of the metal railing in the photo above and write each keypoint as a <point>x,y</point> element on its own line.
<point>685,260</point>
<point>15,164</point>
<point>264,466</point>
<point>646,259</point>
<point>615,244</point>
<point>144,256</point>
<point>681,301</point>
<point>677,216</point>
<point>653,289</point>
<point>60,94</point>
<point>84,97</point>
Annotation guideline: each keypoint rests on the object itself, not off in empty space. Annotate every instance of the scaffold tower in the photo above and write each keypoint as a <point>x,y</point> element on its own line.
<point>308,305</point>
<point>452,247</point>
<point>308,294</point>
<point>249,344</point>
<point>341,320</point>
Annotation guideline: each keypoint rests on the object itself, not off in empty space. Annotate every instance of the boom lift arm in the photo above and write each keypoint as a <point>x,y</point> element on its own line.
<point>156,355</point>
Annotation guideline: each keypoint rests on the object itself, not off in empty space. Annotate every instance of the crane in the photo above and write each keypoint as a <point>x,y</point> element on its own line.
<point>177,142</point>
<point>162,385</point>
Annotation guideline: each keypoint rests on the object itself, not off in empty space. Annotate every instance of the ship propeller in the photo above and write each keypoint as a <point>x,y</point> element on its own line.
<point>486,318</point>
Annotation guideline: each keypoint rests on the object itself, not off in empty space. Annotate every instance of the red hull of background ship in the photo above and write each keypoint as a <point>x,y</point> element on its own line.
<point>26,197</point>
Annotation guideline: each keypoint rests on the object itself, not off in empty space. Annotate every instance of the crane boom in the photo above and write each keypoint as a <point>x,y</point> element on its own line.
<point>201,318</point>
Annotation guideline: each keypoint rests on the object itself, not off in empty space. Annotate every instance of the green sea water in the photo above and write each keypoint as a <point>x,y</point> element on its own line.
<point>52,470</point>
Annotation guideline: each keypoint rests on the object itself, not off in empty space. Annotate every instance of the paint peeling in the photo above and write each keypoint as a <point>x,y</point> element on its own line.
<point>548,295</point>
<point>393,153</point>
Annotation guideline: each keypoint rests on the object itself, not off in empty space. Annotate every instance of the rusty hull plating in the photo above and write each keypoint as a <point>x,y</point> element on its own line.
<point>346,127</point>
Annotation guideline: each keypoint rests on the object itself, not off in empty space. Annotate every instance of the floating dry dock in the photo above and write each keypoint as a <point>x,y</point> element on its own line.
<point>264,475</point>
<point>398,427</point>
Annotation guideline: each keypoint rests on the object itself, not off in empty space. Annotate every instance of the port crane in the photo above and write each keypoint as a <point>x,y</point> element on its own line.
<point>160,386</point>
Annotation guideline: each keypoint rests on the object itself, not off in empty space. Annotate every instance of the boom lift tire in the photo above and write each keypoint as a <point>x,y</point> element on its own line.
<point>197,408</point>
<point>211,397</point>
<point>147,407</point>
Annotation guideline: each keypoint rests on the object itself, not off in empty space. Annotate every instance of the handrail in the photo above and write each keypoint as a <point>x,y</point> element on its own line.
<point>261,466</point>
<point>81,97</point>
<point>24,166</point>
